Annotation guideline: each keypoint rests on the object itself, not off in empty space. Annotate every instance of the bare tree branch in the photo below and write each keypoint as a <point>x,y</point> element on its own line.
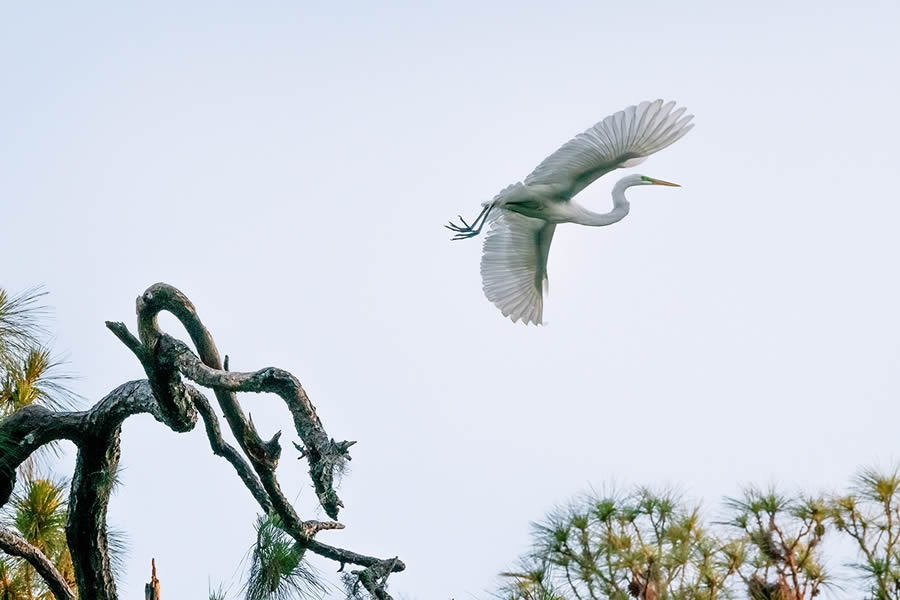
<point>221,448</point>
<point>211,422</point>
<point>323,454</point>
<point>15,545</point>
<point>164,395</point>
<point>352,558</point>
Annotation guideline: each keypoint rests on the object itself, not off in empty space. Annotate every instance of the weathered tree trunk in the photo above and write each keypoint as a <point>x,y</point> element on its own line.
<point>151,590</point>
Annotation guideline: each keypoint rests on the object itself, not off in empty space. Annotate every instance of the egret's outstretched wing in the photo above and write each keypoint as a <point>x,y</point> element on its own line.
<point>514,265</point>
<point>623,139</point>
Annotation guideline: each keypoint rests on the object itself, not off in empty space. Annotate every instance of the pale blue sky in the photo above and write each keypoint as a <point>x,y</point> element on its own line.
<point>289,166</point>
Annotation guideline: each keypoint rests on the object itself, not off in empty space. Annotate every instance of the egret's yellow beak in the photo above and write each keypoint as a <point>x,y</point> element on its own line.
<point>661,182</point>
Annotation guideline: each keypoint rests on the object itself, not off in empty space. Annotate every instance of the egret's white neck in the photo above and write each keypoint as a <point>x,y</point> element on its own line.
<point>583,216</point>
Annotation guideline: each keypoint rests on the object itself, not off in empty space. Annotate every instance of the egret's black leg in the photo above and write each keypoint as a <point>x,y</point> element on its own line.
<point>468,231</point>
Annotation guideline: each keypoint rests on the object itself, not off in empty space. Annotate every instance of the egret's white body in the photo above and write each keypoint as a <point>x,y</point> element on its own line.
<point>524,215</point>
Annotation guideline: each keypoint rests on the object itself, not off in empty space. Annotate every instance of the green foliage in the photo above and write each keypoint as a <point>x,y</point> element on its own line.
<point>13,584</point>
<point>34,378</point>
<point>20,322</point>
<point>870,516</point>
<point>37,511</point>
<point>652,545</point>
<point>778,551</point>
<point>217,593</point>
<point>117,542</point>
<point>278,570</point>
<point>645,544</point>
<point>533,580</point>
<point>29,374</point>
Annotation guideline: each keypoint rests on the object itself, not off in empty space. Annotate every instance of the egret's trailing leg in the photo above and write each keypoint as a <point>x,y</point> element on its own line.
<point>468,231</point>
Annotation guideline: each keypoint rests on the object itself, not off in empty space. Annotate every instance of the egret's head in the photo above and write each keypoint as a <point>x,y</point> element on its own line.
<point>644,180</point>
<point>623,184</point>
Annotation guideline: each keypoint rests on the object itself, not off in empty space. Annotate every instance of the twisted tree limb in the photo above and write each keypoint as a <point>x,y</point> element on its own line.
<point>164,395</point>
<point>323,453</point>
<point>219,446</point>
<point>324,456</point>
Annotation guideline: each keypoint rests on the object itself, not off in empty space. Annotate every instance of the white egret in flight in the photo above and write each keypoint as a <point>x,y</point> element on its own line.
<point>524,215</point>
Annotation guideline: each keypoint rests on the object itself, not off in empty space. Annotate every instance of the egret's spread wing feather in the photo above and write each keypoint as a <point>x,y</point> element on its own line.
<point>514,265</point>
<point>623,139</point>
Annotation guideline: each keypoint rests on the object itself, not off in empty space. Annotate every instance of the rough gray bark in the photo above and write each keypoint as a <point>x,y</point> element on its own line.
<point>31,427</point>
<point>172,402</point>
<point>95,473</point>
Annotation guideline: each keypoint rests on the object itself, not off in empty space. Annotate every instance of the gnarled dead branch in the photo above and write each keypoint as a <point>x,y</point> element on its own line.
<point>176,404</point>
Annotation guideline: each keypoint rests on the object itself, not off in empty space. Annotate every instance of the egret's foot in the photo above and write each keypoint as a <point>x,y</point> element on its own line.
<point>465,230</point>
<point>465,236</point>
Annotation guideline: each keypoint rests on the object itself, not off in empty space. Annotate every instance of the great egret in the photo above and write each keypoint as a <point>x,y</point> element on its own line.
<point>524,216</point>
